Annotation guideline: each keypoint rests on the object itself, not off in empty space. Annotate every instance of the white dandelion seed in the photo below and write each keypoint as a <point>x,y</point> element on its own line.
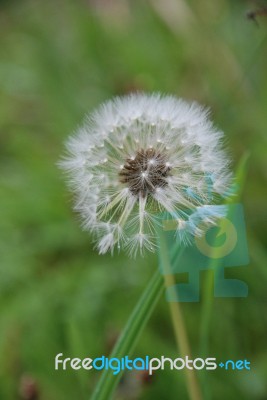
<point>139,155</point>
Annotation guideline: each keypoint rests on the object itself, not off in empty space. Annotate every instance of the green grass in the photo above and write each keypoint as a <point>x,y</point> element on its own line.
<point>58,60</point>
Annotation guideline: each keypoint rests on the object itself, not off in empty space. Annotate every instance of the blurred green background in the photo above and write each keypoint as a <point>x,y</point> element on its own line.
<point>58,60</point>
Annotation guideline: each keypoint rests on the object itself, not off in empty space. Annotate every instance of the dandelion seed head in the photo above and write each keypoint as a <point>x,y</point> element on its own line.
<point>138,155</point>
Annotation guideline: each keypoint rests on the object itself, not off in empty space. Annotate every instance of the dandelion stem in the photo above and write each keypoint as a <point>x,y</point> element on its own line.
<point>130,335</point>
<point>177,319</point>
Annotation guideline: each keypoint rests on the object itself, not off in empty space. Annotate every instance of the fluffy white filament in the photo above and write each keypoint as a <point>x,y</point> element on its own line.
<point>186,175</point>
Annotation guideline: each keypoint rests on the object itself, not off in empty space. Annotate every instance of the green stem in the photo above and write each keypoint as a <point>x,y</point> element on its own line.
<point>130,335</point>
<point>177,315</point>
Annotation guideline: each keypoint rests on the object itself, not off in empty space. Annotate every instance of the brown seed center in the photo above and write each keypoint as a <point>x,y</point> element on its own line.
<point>145,172</point>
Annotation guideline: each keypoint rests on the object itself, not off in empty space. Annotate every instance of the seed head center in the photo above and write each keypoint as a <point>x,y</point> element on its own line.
<point>145,172</point>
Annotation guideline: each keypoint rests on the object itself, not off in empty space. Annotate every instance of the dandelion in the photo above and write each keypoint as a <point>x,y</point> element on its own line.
<point>138,156</point>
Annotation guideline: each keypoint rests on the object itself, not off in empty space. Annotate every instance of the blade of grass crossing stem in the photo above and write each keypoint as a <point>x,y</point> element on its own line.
<point>167,263</point>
